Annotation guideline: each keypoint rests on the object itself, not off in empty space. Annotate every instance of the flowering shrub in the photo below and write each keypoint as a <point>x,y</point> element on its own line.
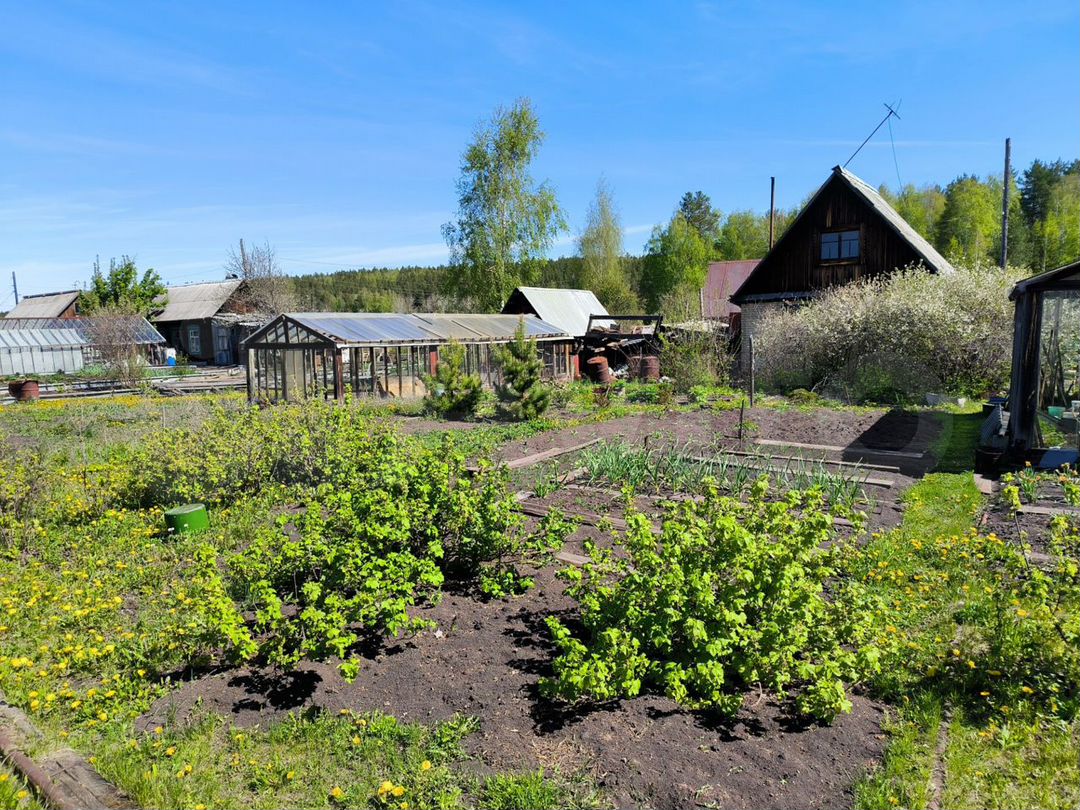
<point>726,595</point>
<point>894,337</point>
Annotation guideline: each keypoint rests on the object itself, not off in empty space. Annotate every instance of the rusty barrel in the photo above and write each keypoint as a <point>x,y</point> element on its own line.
<point>598,369</point>
<point>24,390</point>
<point>650,368</point>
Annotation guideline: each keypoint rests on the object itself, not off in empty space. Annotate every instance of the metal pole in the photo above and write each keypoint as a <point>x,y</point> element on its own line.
<point>1005,204</point>
<point>15,287</point>
<point>772,209</point>
<point>751,339</point>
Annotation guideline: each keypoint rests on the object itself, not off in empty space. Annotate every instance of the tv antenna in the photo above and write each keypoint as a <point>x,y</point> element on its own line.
<point>891,112</point>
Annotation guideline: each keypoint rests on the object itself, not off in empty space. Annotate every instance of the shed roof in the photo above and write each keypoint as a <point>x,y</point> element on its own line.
<point>44,305</point>
<point>194,302</point>
<point>60,332</point>
<point>933,260</point>
<point>1065,277</point>
<point>389,328</point>
<point>723,279</point>
<point>567,309</point>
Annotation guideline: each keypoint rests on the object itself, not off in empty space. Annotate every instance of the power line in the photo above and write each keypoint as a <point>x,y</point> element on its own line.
<point>896,163</point>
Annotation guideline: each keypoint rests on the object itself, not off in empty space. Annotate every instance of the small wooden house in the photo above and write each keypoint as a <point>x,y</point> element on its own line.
<point>206,322</point>
<point>47,305</point>
<point>847,232</point>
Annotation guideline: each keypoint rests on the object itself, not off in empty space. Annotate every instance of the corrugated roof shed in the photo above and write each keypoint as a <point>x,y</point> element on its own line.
<point>723,279</point>
<point>194,302</point>
<point>567,309</point>
<point>371,328</point>
<point>45,305</point>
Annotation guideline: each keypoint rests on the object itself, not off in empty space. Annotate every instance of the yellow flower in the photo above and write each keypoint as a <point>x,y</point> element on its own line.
<point>158,730</point>
<point>170,751</point>
<point>1021,612</point>
<point>398,791</point>
<point>425,765</point>
<point>356,741</point>
<point>336,792</point>
<point>1027,690</point>
<point>290,775</point>
<point>385,787</point>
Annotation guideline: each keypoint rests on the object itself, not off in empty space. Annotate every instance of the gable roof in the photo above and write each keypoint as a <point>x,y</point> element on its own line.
<point>44,305</point>
<point>567,309</point>
<point>1064,277</point>
<point>375,328</point>
<point>723,279</point>
<point>194,302</point>
<point>934,261</point>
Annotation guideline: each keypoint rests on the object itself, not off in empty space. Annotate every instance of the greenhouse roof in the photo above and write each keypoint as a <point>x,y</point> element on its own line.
<point>56,332</point>
<point>371,328</point>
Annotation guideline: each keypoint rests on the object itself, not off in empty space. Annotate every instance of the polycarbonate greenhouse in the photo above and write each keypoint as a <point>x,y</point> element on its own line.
<point>40,346</point>
<point>326,354</point>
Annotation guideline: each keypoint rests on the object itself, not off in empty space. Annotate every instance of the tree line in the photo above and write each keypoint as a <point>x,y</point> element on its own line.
<point>507,222</point>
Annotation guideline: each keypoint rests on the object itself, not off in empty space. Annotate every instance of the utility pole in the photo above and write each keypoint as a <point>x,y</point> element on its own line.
<point>1005,204</point>
<point>772,209</point>
<point>243,260</point>
<point>15,287</point>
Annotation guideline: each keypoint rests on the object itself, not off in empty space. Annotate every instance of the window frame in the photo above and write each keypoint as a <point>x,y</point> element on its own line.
<point>839,232</point>
<point>194,338</point>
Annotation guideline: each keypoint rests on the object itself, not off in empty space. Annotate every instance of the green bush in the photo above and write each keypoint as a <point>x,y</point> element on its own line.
<point>695,359</point>
<point>725,596</point>
<point>522,391</point>
<point>451,391</point>
<point>894,338</point>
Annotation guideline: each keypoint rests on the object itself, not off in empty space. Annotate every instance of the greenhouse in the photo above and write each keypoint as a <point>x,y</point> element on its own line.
<point>327,354</point>
<point>40,346</point>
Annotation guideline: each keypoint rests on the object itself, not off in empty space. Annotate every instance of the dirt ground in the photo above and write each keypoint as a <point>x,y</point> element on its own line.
<point>487,657</point>
<point>486,660</point>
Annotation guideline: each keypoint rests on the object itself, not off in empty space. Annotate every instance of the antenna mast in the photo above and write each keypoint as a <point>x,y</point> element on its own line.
<point>891,112</point>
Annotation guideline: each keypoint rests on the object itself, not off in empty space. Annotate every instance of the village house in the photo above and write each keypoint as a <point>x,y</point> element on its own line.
<point>846,232</point>
<point>47,305</point>
<point>206,322</point>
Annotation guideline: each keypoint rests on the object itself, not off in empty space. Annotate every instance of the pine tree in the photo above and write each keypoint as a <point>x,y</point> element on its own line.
<point>522,391</point>
<point>450,390</point>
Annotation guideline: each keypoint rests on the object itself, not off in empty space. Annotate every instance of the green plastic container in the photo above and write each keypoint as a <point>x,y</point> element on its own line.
<point>191,517</point>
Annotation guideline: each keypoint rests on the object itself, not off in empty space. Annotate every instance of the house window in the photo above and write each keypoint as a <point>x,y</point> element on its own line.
<point>194,339</point>
<point>839,246</point>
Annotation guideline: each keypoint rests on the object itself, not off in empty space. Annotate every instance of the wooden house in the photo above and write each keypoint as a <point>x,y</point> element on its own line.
<point>206,322</point>
<point>847,232</point>
<point>47,305</point>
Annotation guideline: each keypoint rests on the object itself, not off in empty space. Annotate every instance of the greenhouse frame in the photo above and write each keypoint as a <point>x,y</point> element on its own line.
<point>41,346</point>
<point>325,355</point>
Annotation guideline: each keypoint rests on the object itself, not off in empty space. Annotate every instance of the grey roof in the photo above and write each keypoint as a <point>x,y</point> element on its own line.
<point>194,302</point>
<point>61,332</point>
<point>371,328</point>
<point>45,305</point>
<point>1069,273</point>
<point>934,261</point>
<point>567,309</point>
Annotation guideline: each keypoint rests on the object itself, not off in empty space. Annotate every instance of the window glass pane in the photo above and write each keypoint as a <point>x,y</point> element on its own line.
<point>830,246</point>
<point>849,245</point>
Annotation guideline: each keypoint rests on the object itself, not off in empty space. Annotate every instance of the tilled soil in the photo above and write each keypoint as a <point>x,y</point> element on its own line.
<point>486,660</point>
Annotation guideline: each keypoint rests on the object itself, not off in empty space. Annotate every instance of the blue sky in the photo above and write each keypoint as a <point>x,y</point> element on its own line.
<point>334,130</point>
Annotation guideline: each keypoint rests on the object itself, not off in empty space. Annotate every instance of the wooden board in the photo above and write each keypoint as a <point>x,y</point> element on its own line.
<point>815,459</point>
<point>554,452</point>
<point>851,448</point>
<point>1049,511</point>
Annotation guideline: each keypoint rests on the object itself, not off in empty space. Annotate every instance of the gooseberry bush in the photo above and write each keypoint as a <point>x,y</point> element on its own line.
<point>725,596</point>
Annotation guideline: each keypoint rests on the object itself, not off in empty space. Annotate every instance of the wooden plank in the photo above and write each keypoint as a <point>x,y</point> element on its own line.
<point>555,452</point>
<point>568,557</point>
<point>851,448</point>
<point>869,480</point>
<point>833,462</point>
<point>984,485</point>
<point>1049,511</point>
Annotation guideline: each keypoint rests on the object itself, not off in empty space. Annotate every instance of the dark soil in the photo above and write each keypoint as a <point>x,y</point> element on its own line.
<point>486,660</point>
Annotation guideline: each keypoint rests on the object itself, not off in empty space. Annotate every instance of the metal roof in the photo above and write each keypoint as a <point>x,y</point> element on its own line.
<point>194,302</point>
<point>45,305</point>
<point>57,332</point>
<point>934,260</point>
<point>567,309</point>
<point>370,328</point>
<point>723,279</point>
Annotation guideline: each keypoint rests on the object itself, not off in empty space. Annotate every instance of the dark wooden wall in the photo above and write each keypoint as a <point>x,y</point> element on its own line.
<point>795,265</point>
